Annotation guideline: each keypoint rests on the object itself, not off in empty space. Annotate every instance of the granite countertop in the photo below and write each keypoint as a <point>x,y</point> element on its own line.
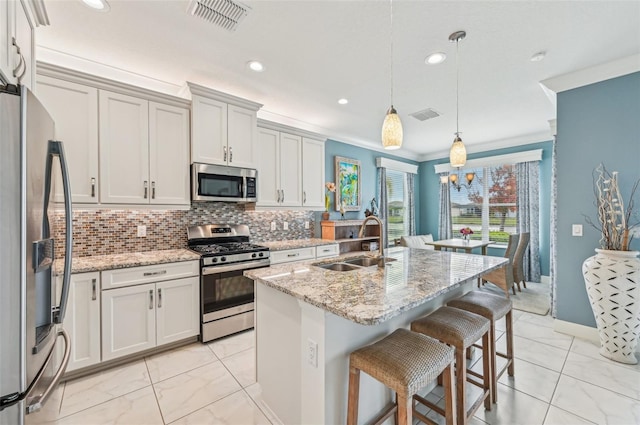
<point>119,261</point>
<point>296,243</point>
<point>371,295</point>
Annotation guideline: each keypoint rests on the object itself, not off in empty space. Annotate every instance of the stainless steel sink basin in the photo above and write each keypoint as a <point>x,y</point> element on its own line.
<point>338,267</point>
<point>368,261</point>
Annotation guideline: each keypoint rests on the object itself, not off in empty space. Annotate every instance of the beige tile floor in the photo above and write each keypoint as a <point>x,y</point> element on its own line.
<point>559,380</point>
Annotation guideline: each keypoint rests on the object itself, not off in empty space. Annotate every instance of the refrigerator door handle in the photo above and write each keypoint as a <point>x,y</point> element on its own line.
<point>38,401</point>
<point>56,148</point>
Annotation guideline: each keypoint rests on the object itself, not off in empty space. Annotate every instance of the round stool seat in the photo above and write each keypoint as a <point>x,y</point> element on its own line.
<point>491,306</point>
<point>404,361</point>
<point>453,326</point>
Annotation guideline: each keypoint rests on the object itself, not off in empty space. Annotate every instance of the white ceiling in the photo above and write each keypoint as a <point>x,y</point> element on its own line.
<point>316,52</point>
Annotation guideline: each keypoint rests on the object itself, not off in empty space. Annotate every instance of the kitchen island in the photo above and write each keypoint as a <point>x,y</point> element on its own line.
<point>308,320</point>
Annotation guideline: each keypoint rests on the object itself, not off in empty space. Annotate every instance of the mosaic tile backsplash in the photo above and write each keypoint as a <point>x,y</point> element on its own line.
<point>110,231</point>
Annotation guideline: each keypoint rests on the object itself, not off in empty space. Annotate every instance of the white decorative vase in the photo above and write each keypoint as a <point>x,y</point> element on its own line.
<point>612,279</point>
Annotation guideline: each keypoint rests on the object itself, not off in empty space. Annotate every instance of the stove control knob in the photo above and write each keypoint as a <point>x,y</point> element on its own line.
<point>253,255</point>
<point>223,259</point>
<point>261,254</point>
<point>214,260</point>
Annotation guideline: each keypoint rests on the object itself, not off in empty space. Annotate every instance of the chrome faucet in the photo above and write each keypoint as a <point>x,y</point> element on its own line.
<point>380,247</point>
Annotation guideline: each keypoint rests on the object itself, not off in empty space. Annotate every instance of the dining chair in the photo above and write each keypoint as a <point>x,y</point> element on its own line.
<point>518,260</point>
<point>503,277</point>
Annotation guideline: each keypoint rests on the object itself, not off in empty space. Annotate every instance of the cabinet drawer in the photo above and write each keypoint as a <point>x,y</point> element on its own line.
<point>288,255</point>
<point>146,274</point>
<point>327,250</point>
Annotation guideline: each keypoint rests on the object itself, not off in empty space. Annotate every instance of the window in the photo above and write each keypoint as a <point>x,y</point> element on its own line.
<point>488,206</point>
<point>397,212</point>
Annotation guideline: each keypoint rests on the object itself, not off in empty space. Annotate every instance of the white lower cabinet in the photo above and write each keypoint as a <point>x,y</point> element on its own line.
<point>151,306</point>
<point>82,319</point>
<point>301,254</point>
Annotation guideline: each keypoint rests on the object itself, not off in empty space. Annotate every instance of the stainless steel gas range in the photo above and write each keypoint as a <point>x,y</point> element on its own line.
<point>226,296</point>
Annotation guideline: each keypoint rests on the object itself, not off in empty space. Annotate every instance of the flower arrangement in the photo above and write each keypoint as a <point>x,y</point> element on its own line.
<point>331,187</point>
<point>466,231</point>
<point>614,220</point>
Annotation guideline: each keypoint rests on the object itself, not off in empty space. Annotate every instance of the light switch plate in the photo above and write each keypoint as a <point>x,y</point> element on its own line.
<point>576,230</point>
<point>306,224</point>
<point>142,231</point>
<point>285,225</point>
<point>273,226</point>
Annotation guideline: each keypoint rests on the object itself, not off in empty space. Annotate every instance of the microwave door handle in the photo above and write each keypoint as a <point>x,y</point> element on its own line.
<point>56,148</point>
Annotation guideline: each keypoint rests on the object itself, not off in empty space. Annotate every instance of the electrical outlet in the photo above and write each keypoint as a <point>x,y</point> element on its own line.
<point>576,230</point>
<point>285,225</point>
<point>273,226</point>
<point>142,231</point>
<point>306,224</point>
<point>312,352</point>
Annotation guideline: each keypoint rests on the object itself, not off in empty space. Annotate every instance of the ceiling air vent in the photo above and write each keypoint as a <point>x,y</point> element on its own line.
<point>425,114</point>
<point>223,13</point>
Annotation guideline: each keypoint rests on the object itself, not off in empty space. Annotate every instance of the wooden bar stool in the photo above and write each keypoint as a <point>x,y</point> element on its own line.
<point>405,362</point>
<point>492,307</point>
<point>461,329</point>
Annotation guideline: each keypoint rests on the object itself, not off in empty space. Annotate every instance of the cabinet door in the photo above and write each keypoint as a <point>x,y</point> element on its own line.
<point>268,154</point>
<point>290,169</point>
<point>209,131</point>
<point>82,320</point>
<point>312,173</point>
<point>177,309</point>
<point>169,154</point>
<point>74,108</point>
<point>128,320</point>
<point>7,51</point>
<point>242,128</point>
<point>24,39</point>
<point>124,149</point>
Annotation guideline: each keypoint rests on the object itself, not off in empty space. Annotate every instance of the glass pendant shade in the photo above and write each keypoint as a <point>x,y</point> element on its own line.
<point>392,130</point>
<point>458,153</point>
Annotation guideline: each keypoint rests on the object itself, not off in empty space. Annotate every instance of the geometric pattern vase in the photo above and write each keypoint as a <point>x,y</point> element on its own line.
<point>612,279</point>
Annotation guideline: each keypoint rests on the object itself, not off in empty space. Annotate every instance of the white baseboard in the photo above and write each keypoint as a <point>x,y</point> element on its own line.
<point>574,329</point>
<point>545,279</point>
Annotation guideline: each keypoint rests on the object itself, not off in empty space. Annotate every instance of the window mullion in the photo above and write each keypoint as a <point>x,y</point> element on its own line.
<point>485,205</point>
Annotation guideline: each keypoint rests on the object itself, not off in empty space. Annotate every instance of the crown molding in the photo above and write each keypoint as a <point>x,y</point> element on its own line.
<point>594,74</point>
<point>207,92</point>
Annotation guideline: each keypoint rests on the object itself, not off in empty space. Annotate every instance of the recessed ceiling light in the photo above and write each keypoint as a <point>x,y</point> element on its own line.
<point>435,58</point>
<point>537,57</point>
<point>343,101</point>
<point>99,5</point>
<point>255,66</point>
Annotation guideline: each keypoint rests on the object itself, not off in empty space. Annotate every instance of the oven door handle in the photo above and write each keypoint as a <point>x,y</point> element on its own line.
<point>234,267</point>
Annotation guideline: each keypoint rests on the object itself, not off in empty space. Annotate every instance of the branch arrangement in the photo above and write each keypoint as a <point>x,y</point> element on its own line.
<point>614,220</point>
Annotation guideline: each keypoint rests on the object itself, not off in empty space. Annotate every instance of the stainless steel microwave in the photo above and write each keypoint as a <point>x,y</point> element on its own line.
<point>222,183</point>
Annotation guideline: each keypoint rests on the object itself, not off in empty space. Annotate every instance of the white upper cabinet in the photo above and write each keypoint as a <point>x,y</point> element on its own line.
<point>312,173</point>
<point>168,154</point>
<point>290,167</point>
<point>16,33</point>
<point>290,170</point>
<point>124,149</point>
<point>74,108</point>
<point>223,127</point>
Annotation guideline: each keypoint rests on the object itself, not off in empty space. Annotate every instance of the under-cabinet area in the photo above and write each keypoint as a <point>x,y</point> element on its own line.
<point>121,312</point>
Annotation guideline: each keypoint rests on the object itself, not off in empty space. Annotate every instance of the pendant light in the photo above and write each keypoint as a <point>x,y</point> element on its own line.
<point>391,127</point>
<point>458,153</point>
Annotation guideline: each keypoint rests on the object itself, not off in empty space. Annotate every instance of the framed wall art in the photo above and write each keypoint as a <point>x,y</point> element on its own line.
<point>347,184</point>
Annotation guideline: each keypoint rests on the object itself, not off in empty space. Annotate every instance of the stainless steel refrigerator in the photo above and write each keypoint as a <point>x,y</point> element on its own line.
<point>32,359</point>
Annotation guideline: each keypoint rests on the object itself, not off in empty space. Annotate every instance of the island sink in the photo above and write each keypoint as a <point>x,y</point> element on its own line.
<point>355,263</point>
<point>369,261</point>
<point>338,267</point>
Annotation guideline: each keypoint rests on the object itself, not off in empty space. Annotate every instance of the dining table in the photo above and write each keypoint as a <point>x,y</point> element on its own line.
<point>456,244</point>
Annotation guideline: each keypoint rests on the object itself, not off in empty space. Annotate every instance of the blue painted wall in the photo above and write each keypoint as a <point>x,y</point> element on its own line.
<point>430,187</point>
<point>596,123</point>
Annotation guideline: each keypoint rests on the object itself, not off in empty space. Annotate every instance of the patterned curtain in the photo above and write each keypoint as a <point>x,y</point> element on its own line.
<point>554,229</point>
<point>528,204</point>
<point>444,229</point>
<point>382,202</point>
<point>411,203</point>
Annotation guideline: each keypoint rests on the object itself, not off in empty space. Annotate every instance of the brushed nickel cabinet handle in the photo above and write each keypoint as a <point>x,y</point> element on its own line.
<point>153,190</point>
<point>159,298</point>
<point>93,290</point>
<point>293,255</point>
<point>224,150</point>
<point>146,189</point>
<point>154,273</point>
<point>304,197</point>
<point>93,187</point>
<point>151,299</point>
<point>230,154</point>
